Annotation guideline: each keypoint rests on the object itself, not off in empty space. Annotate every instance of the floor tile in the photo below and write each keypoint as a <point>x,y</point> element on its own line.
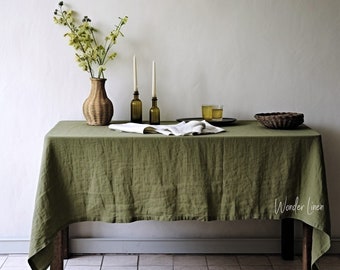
<point>82,267</point>
<point>278,261</point>
<point>15,268</point>
<point>120,260</point>
<point>16,261</point>
<point>189,260</point>
<point>2,259</point>
<point>253,260</point>
<point>119,268</point>
<point>287,267</point>
<point>224,267</point>
<point>329,260</point>
<point>154,260</point>
<point>221,260</point>
<point>256,267</point>
<point>329,267</point>
<point>92,260</point>
<point>175,262</point>
<point>156,267</point>
<point>190,267</point>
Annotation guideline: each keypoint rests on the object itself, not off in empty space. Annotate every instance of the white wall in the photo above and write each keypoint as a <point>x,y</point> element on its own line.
<point>252,56</point>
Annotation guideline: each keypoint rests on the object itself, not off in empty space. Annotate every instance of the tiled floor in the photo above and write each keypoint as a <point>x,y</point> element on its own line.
<point>174,262</point>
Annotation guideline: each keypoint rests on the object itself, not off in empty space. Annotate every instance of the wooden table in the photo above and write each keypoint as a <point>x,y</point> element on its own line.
<point>61,245</point>
<point>244,173</point>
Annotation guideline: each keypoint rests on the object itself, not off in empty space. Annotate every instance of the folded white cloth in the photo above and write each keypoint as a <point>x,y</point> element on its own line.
<point>181,129</point>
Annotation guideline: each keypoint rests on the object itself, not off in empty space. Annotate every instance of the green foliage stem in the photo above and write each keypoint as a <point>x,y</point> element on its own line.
<point>89,53</point>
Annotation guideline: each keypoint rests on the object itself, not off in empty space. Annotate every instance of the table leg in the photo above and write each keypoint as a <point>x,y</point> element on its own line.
<point>65,243</point>
<point>307,246</point>
<point>287,239</point>
<point>61,249</point>
<point>58,260</point>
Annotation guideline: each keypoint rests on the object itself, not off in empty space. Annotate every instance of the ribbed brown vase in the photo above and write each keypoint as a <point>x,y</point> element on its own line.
<point>98,108</point>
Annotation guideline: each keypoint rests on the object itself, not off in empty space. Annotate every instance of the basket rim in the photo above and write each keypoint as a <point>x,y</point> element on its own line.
<point>280,114</point>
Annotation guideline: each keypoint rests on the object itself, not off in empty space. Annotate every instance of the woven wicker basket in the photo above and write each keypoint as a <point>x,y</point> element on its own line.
<point>280,120</point>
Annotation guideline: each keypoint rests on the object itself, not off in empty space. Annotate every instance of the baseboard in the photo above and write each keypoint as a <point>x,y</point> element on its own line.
<point>203,246</point>
<point>15,246</point>
<point>206,246</point>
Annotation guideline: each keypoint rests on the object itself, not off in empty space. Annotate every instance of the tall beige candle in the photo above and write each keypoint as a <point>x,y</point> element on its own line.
<point>134,73</point>
<point>154,79</point>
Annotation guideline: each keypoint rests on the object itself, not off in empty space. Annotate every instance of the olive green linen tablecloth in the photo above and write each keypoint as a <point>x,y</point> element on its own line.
<point>248,172</point>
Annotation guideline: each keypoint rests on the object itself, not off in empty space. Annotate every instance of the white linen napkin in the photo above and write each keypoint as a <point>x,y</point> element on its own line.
<point>181,129</point>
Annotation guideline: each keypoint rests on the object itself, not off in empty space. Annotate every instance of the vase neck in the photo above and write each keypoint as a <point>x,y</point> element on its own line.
<point>96,81</point>
<point>98,87</point>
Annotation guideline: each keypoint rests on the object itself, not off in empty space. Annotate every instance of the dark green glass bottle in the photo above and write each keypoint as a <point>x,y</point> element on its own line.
<point>154,113</point>
<point>136,108</point>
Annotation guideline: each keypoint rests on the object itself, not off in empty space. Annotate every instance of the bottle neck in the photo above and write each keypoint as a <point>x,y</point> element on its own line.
<point>136,94</point>
<point>154,102</point>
